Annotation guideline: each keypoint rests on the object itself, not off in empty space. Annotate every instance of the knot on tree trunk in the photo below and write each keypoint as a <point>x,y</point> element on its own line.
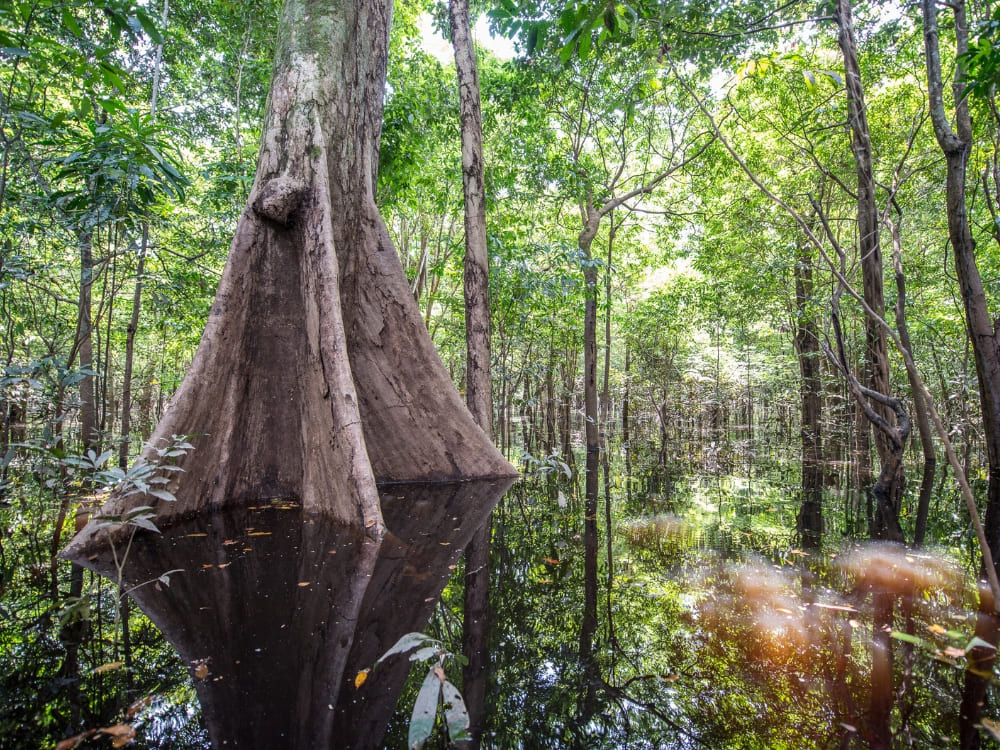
<point>279,199</point>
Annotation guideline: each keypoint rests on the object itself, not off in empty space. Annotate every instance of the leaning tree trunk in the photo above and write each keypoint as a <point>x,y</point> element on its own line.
<point>315,377</point>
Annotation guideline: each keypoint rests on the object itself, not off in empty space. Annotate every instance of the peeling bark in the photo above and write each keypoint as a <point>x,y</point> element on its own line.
<point>315,377</point>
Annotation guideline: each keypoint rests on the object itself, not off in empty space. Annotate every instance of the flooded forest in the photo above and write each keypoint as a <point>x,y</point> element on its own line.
<point>540,374</point>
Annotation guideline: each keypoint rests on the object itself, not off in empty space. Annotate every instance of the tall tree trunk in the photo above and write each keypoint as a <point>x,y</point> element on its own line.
<point>919,404</point>
<point>869,249</point>
<point>956,145</point>
<point>810,517</point>
<point>315,376</point>
<point>479,395</point>
<point>133,324</point>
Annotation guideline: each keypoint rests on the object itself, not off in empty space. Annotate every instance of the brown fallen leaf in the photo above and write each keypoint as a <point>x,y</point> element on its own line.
<point>121,734</point>
<point>70,742</point>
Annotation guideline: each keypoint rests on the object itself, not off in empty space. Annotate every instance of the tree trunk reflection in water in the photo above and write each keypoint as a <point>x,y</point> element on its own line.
<point>979,673</point>
<point>276,611</point>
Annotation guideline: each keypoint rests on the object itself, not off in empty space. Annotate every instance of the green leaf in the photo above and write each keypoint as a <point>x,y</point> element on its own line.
<point>425,653</point>
<point>424,711</point>
<point>978,642</point>
<point>456,715</point>
<point>899,635</point>
<point>69,21</point>
<point>408,642</point>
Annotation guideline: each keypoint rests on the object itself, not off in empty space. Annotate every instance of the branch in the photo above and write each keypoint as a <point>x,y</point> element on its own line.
<point>911,368</point>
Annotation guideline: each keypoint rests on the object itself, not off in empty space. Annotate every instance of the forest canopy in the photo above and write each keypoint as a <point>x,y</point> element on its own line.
<point>706,223</point>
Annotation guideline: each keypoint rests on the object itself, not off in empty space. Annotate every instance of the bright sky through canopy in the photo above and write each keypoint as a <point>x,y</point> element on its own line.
<point>436,45</point>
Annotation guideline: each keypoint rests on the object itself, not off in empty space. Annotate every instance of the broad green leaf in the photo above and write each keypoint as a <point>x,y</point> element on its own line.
<point>408,642</point>
<point>424,711</point>
<point>899,635</point>
<point>455,713</point>
<point>978,642</point>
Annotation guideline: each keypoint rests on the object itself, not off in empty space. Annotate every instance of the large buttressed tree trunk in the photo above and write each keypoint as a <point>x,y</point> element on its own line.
<point>315,377</point>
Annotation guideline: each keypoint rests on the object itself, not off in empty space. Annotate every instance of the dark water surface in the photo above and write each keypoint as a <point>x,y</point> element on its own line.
<point>701,623</point>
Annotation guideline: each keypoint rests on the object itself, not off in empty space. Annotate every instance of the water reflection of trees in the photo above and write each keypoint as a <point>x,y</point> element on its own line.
<point>689,650</point>
<point>276,611</point>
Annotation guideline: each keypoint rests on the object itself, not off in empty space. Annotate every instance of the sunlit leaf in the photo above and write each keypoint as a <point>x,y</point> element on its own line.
<point>899,635</point>
<point>425,653</point>
<point>424,711</point>
<point>406,643</point>
<point>456,715</point>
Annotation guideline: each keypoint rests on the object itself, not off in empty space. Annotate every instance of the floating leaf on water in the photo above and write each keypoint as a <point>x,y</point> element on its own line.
<point>837,607</point>
<point>139,705</point>
<point>359,678</point>
<point>109,667</point>
<point>70,742</point>
<point>201,670</point>
<point>121,734</point>
<point>304,583</point>
<point>229,542</point>
<point>259,533</point>
<point>195,534</point>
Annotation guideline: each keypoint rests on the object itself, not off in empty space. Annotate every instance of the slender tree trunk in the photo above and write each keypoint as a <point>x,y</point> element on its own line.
<point>919,405</point>
<point>869,249</point>
<point>956,145</point>
<point>810,518</point>
<point>133,324</point>
<point>479,397</point>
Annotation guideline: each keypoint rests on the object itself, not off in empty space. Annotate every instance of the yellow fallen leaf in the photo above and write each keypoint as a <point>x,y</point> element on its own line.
<point>259,533</point>
<point>201,670</point>
<point>936,629</point>
<point>304,583</point>
<point>360,678</point>
<point>838,607</point>
<point>109,667</point>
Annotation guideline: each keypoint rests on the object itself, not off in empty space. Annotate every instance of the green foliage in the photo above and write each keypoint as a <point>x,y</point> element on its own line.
<point>437,696</point>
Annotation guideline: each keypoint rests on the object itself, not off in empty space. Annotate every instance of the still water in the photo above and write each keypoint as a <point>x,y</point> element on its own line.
<point>705,626</point>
